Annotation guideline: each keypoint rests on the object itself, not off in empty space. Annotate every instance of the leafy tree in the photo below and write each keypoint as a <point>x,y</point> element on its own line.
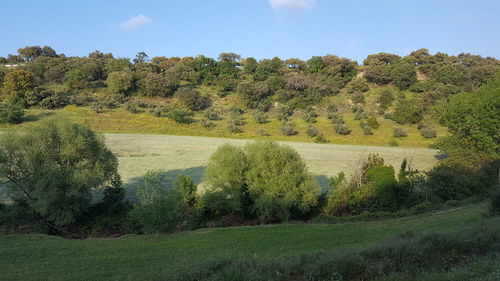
<point>181,115</point>
<point>225,176</point>
<point>159,209</point>
<point>253,93</point>
<point>278,181</point>
<point>19,84</point>
<point>259,116</point>
<point>120,82</point>
<point>187,189</point>
<point>159,85</point>
<point>250,65</point>
<point>77,79</point>
<point>141,57</point>
<point>357,85</point>
<point>404,75</point>
<point>408,111</point>
<point>117,65</point>
<point>52,168</point>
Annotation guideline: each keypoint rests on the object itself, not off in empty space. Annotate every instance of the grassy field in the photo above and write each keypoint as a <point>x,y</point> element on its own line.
<point>189,155</point>
<point>132,257</point>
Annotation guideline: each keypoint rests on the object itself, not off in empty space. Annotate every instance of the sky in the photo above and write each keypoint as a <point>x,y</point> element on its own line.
<point>252,28</point>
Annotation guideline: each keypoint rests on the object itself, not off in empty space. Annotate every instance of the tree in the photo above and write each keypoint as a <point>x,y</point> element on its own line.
<point>225,176</point>
<point>408,111</point>
<point>159,85</point>
<point>192,99</point>
<point>141,57</point>
<point>52,168</point>
<point>19,84</point>
<point>120,82</point>
<point>77,79</point>
<point>11,113</point>
<point>404,75</point>
<point>278,181</point>
<point>253,93</point>
<point>159,209</point>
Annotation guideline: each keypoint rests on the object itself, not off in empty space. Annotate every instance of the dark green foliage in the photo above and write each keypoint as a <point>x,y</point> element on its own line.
<point>399,133</point>
<point>331,111</point>
<point>408,111</point>
<point>404,75</point>
<point>337,119</point>
<point>11,114</point>
<point>52,168</point>
<point>312,131</point>
<point>360,115</point>
<point>385,98</point>
<point>180,115</point>
<point>287,129</point>
<point>309,115</point>
<point>253,93</point>
<point>495,201</point>
<point>159,85</point>
<point>192,99</point>
<point>158,209</point>
<point>187,190</point>
<point>132,107</point>
<point>54,101</point>
<point>260,117</point>
<point>357,85</point>
<point>342,129</point>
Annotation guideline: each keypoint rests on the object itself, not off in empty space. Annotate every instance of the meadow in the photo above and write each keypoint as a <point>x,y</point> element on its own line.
<point>188,156</point>
<point>142,257</point>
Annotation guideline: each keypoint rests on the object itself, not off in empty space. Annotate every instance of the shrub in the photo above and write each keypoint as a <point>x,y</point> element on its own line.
<point>358,97</point>
<point>211,114</point>
<point>180,115</point>
<point>385,98</point>
<point>283,113</point>
<point>320,138</point>
<point>357,85</point>
<point>373,123</point>
<point>399,133</point>
<point>260,117</point>
<point>287,129</point>
<point>159,208</point>
<point>342,129</point>
<point>156,111</point>
<point>233,127</point>
<point>11,114</point>
<point>132,107</point>
<point>206,124</point>
<point>312,131</point>
<point>393,142</point>
<point>337,119</point>
<point>54,101</point>
<point>262,132</point>
<point>309,115</point>
<point>367,131</point>
<point>192,99</point>
<point>331,111</point>
<point>428,133</point>
<point>360,115</point>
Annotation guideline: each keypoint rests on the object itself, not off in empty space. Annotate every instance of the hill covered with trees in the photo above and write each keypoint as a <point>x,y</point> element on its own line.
<point>386,100</point>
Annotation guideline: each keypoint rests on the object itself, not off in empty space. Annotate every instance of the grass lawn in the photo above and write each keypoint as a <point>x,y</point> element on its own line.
<point>133,257</point>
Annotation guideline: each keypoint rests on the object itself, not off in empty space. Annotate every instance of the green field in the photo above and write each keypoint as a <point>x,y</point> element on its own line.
<point>188,156</point>
<point>133,257</point>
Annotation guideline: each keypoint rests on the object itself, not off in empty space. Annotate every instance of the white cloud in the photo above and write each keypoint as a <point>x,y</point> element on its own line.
<point>135,22</point>
<point>292,4</point>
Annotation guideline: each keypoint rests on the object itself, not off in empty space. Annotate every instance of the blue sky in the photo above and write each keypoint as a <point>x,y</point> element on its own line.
<point>253,28</point>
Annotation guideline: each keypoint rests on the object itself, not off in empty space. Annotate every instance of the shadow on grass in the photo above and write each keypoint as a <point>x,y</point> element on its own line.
<point>37,117</point>
<point>323,182</point>
<point>195,173</point>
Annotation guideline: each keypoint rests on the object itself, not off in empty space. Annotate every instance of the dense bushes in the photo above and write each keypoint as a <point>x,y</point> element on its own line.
<point>192,99</point>
<point>265,180</point>
<point>11,114</point>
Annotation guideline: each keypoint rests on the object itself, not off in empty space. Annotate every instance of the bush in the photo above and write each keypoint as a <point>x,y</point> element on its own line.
<point>393,142</point>
<point>373,123</point>
<point>157,111</point>
<point>211,114</point>
<point>309,115</point>
<point>132,107</point>
<point>283,113</point>
<point>260,117</point>
<point>320,138</point>
<point>360,115</point>
<point>337,119</point>
<point>159,208</point>
<point>408,112</point>
<point>262,132</point>
<point>331,111</point>
<point>206,124</point>
<point>358,97</point>
<point>399,133</point>
<point>312,131</point>
<point>428,133</point>
<point>342,129</point>
<point>367,131</point>
<point>233,127</point>
<point>287,129</point>
<point>54,101</point>
<point>180,115</point>
<point>11,114</point>
<point>192,99</point>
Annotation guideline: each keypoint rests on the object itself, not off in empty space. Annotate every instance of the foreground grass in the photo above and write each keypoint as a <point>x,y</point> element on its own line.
<point>132,257</point>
